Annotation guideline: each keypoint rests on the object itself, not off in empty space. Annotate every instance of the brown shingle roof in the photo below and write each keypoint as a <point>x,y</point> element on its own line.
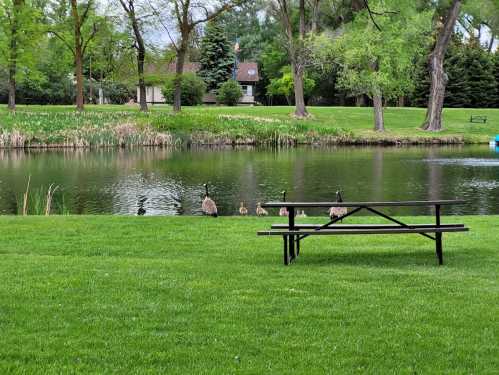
<point>247,71</point>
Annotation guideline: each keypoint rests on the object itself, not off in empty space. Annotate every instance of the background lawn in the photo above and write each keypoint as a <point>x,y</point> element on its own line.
<point>192,295</point>
<point>55,124</point>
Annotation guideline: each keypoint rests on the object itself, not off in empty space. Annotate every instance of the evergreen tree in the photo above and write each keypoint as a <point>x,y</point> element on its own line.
<point>217,58</point>
<point>419,96</point>
<point>481,81</point>
<point>457,93</point>
<point>496,73</point>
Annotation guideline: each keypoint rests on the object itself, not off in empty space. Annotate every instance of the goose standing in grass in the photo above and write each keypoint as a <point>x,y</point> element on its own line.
<point>301,214</point>
<point>243,210</point>
<point>208,206</point>
<point>260,211</point>
<point>283,211</point>
<point>335,212</point>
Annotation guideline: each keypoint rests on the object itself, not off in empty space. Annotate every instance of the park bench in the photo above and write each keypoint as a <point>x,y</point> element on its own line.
<point>293,233</point>
<point>478,119</point>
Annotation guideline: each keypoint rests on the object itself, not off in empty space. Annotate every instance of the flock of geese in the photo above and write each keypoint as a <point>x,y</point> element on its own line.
<point>209,207</point>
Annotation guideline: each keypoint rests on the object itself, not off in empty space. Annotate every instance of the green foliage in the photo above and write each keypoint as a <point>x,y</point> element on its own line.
<point>21,21</point>
<point>217,59</point>
<point>496,74</point>
<point>229,93</point>
<point>285,85</point>
<point>193,89</point>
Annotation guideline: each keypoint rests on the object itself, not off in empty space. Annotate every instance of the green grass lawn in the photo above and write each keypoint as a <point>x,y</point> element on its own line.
<point>195,295</point>
<point>212,124</point>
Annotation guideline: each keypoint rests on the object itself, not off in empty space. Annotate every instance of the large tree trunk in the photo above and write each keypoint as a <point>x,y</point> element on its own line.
<point>401,101</point>
<point>179,70</point>
<point>433,121</point>
<point>141,55</point>
<point>142,83</point>
<point>300,109</point>
<point>12,72</point>
<point>379,124</point>
<point>78,56</point>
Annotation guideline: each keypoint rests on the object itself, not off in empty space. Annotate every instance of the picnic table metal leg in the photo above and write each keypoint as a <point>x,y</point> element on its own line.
<point>438,237</point>
<point>286,257</point>
<point>297,245</point>
<point>291,219</point>
<point>438,242</point>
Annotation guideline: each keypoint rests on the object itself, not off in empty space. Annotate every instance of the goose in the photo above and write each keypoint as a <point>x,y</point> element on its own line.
<point>243,210</point>
<point>283,211</point>
<point>335,212</point>
<point>141,211</point>
<point>209,207</point>
<point>260,211</point>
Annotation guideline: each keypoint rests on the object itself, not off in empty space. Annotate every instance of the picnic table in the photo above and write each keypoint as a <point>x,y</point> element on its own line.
<point>293,233</point>
<point>478,119</point>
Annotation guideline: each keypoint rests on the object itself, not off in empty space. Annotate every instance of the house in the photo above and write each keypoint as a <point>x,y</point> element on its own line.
<point>247,75</point>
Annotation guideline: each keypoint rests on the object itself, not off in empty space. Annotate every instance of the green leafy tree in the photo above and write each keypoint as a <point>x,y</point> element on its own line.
<point>19,33</point>
<point>380,62</point>
<point>217,58</point>
<point>229,92</point>
<point>285,85</point>
<point>193,89</point>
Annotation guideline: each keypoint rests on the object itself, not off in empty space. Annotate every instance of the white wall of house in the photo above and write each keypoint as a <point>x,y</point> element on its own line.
<point>154,95</point>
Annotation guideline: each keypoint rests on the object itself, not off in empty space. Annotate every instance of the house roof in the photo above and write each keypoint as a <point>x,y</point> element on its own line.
<point>247,71</point>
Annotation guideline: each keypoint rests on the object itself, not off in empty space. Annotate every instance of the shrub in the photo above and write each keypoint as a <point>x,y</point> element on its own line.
<point>229,92</point>
<point>193,89</point>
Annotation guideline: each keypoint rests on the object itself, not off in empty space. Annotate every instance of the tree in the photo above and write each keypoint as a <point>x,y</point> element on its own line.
<point>129,8</point>
<point>496,73</point>
<point>189,14</point>
<point>84,26</point>
<point>481,84</point>
<point>18,34</point>
<point>217,59</point>
<point>444,25</point>
<point>296,46</point>
<point>285,85</point>
<point>230,92</point>
<point>193,89</point>
<point>377,58</point>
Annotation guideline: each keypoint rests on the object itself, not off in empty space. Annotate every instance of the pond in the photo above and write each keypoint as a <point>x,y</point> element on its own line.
<point>170,181</point>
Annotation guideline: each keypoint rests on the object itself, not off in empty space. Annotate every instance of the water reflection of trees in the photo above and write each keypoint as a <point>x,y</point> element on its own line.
<point>113,180</point>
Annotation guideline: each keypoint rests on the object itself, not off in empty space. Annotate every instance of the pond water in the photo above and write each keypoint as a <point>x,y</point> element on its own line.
<point>169,181</point>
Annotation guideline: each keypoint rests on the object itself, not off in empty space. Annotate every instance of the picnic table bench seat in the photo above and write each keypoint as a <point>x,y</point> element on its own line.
<point>293,233</point>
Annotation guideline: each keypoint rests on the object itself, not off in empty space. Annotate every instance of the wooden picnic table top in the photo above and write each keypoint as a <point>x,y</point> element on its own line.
<point>365,204</point>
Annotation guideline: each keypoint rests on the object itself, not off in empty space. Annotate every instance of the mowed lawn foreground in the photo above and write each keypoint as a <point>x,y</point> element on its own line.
<point>194,295</point>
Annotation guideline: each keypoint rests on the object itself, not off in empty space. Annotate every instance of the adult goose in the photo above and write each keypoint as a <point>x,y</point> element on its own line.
<point>335,212</point>
<point>208,206</point>
<point>243,210</point>
<point>283,211</point>
<point>260,211</point>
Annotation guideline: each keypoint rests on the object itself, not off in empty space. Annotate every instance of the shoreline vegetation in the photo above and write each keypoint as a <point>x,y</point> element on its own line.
<point>125,126</point>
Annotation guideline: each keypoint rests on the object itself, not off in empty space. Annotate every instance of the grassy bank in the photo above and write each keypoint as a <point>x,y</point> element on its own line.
<point>195,295</point>
<point>42,126</point>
